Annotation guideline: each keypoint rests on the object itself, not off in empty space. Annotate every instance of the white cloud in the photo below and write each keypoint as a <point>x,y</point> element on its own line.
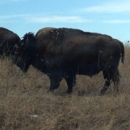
<point>117,21</point>
<point>43,19</point>
<point>116,6</point>
<point>11,18</point>
<point>53,19</point>
<point>14,16</point>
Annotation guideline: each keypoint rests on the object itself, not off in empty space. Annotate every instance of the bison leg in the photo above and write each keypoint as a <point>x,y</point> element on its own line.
<point>54,83</point>
<point>105,87</point>
<point>110,75</point>
<point>71,80</point>
<point>116,80</point>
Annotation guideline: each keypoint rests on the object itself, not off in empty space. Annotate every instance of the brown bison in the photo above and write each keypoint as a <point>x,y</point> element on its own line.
<point>7,41</point>
<point>64,53</point>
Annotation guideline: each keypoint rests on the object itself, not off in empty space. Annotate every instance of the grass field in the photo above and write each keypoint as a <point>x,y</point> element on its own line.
<point>25,103</point>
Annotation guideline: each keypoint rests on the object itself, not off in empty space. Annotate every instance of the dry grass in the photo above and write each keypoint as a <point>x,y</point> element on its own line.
<point>25,103</point>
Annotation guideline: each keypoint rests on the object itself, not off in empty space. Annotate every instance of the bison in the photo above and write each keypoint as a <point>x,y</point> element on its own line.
<point>8,39</point>
<point>65,52</point>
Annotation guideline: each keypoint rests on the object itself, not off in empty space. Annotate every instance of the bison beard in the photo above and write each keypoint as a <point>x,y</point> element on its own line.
<point>64,53</point>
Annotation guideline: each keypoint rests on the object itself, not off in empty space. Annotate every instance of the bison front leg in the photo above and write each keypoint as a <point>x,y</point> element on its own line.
<point>71,80</point>
<point>54,82</point>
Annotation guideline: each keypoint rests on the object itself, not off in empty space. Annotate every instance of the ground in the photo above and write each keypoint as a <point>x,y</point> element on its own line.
<point>25,103</point>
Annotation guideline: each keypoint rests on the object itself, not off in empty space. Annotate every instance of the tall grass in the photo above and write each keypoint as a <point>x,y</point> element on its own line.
<point>25,103</point>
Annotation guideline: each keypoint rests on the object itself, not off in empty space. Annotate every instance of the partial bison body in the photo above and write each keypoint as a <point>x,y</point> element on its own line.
<point>7,41</point>
<point>64,53</point>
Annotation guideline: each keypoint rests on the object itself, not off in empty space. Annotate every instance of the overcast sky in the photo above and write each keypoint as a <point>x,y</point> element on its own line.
<point>110,17</point>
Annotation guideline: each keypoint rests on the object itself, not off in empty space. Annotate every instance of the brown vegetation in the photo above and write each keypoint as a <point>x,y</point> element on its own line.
<point>25,103</point>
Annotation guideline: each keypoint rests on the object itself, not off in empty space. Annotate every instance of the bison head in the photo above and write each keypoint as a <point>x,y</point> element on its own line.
<point>25,51</point>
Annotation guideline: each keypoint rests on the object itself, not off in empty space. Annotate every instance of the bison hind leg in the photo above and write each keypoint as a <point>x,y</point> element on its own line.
<point>111,75</point>
<point>116,80</point>
<point>105,87</point>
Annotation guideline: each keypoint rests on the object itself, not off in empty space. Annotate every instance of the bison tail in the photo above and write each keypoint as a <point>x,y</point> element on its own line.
<point>122,58</point>
<point>122,52</point>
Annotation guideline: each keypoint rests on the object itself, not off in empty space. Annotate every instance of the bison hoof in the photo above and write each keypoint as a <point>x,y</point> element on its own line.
<point>51,90</point>
<point>102,92</point>
<point>69,91</point>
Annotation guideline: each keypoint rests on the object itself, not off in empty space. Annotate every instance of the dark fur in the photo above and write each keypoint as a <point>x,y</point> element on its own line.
<point>64,53</point>
<point>7,41</point>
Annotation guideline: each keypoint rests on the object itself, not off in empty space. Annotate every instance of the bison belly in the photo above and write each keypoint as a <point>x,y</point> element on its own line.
<point>89,69</point>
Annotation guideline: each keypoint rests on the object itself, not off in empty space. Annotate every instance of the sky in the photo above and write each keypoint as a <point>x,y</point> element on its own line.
<point>111,17</point>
